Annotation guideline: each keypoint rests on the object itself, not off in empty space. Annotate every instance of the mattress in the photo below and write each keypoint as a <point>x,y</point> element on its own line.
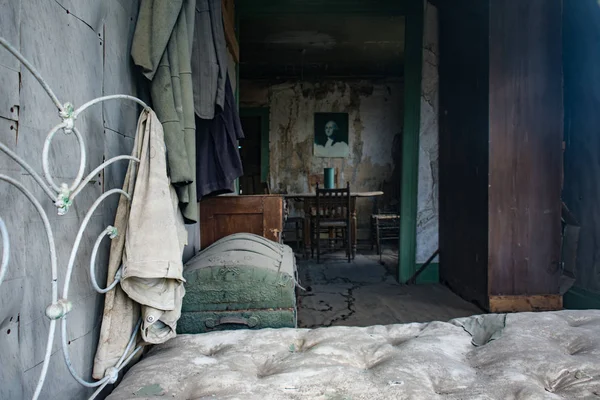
<point>552,355</point>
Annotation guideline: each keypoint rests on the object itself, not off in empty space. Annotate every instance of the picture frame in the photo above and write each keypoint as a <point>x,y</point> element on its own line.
<point>331,135</point>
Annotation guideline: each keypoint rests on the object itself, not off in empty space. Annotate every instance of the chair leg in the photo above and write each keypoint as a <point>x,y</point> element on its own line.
<point>297,224</point>
<point>377,237</point>
<point>333,240</point>
<point>312,241</point>
<point>318,235</point>
<point>301,239</point>
<point>345,242</point>
<point>349,244</point>
<point>372,233</point>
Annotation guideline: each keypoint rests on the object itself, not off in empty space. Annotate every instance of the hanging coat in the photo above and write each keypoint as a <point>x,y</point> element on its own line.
<point>209,59</point>
<point>219,162</point>
<point>162,47</point>
<point>149,247</point>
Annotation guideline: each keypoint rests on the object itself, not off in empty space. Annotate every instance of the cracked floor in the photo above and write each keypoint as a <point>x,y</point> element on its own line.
<point>364,293</point>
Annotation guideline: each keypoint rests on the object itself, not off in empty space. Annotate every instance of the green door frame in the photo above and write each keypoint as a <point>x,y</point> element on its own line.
<point>413,56</point>
<point>263,113</point>
<point>413,11</point>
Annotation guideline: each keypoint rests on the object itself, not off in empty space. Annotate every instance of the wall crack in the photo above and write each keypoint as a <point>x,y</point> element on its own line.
<point>75,16</point>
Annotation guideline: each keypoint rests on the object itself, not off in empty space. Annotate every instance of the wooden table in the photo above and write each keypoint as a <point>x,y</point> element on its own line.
<point>309,200</point>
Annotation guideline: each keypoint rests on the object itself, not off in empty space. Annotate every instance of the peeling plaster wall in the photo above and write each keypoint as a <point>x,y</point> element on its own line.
<point>375,118</point>
<point>83,54</point>
<point>427,204</point>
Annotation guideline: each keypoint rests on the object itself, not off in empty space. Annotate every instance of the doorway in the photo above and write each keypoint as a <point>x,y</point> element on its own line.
<point>254,150</point>
<point>367,63</point>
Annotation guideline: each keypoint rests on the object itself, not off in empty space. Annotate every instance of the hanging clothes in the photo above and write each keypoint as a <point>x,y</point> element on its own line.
<point>209,59</point>
<point>218,157</point>
<point>162,47</point>
<point>149,247</point>
<point>218,126</point>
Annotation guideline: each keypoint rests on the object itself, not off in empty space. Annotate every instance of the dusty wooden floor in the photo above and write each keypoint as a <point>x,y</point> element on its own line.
<point>364,293</point>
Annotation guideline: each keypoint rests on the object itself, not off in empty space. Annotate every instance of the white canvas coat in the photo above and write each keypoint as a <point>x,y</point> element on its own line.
<point>148,248</point>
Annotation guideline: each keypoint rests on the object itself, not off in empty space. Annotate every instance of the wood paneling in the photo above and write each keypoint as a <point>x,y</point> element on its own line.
<point>463,138</point>
<point>508,304</point>
<point>225,215</point>
<point>226,224</point>
<point>525,133</point>
<point>500,149</point>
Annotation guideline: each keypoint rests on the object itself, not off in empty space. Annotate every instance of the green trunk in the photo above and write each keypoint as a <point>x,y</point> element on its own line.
<point>242,281</point>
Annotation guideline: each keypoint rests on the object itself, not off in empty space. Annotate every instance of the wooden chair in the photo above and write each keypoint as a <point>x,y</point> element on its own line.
<point>292,224</point>
<point>332,214</point>
<point>296,225</point>
<point>385,221</point>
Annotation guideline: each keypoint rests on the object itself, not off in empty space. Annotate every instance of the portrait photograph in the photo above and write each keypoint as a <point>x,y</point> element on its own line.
<point>331,135</point>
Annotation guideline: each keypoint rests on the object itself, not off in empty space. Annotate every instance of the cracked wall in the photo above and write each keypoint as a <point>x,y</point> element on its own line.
<point>427,203</point>
<point>375,120</point>
<point>82,49</point>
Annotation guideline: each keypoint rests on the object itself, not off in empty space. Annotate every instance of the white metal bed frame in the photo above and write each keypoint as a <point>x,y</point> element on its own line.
<point>63,196</point>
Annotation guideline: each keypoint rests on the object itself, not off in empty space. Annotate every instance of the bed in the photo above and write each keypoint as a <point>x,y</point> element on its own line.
<point>552,355</point>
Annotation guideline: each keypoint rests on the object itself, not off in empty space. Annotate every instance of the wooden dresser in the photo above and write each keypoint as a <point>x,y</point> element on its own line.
<point>224,215</point>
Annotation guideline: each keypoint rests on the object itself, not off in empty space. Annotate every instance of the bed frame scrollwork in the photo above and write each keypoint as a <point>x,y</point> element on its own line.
<point>63,195</point>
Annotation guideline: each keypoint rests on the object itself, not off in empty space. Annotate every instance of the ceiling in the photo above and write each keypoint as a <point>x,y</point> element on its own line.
<point>317,46</point>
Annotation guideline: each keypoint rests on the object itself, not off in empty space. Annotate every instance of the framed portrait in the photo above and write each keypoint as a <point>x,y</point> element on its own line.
<point>331,135</point>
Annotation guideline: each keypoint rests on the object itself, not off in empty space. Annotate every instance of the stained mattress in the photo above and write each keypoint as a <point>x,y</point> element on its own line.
<point>554,355</point>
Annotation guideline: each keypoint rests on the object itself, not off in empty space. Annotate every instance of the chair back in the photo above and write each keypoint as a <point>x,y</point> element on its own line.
<point>389,203</point>
<point>333,205</point>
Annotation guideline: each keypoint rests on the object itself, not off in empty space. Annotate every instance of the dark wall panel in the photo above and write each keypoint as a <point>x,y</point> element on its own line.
<point>582,132</point>
<point>463,159</point>
<point>526,130</point>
